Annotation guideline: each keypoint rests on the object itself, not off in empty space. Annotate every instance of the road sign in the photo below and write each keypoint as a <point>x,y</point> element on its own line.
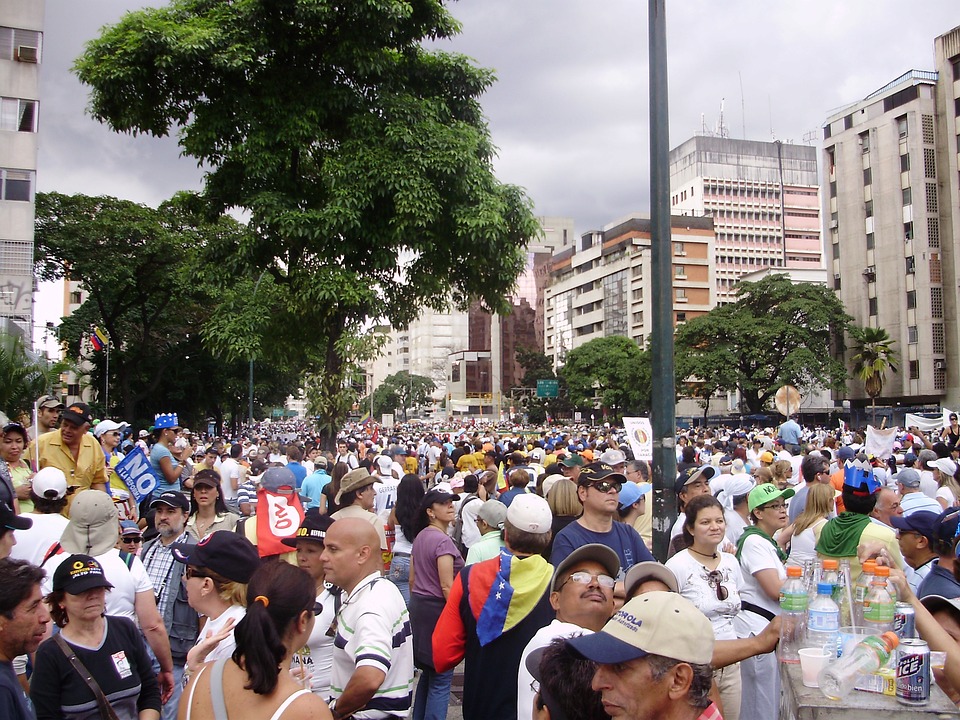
<point>548,388</point>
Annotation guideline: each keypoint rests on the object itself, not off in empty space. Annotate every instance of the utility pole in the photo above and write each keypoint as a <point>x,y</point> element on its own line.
<point>662,420</point>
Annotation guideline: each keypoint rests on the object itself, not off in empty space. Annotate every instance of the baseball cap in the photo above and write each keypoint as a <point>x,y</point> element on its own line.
<point>703,472</point>
<point>11,521</point>
<point>766,492</point>
<point>612,456</point>
<point>313,527</point>
<point>908,477</point>
<point>79,573</point>
<point>15,427</point>
<point>49,401</point>
<point>845,453</point>
<point>631,492</point>
<point>50,483</point>
<point>594,472</point>
<point>384,464</point>
<point>944,465</point>
<point>143,434</point>
<point>935,603</point>
<point>530,513</point>
<point>78,413</point>
<point>207,477</point>
<point>947,524</point>
<point>228,554</point>
<point>921,521</point>
<point>493,513</point>
<point>172,498</point>
<point>129,527</point>
<point>655,623</point>
<point>766,457</point>
<point>572,460</point>
<point>105,426</point>
<point>601,554</point>
<point>649,570</point>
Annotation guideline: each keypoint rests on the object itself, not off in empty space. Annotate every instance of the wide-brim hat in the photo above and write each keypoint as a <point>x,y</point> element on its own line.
<point>354,480</point>
<point>93,528</point>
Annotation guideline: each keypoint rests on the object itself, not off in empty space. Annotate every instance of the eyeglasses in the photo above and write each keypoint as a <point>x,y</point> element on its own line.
<point>774,506</point>
<point>715,580</point>
<point>136,540</point>
<point>605,486</point>
<point>583,578</point>
<point>317,608</point>
<point>193,573</point>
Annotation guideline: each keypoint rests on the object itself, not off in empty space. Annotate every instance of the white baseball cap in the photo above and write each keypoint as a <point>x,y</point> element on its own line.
<point>50,483</point>
<point>530,513</point>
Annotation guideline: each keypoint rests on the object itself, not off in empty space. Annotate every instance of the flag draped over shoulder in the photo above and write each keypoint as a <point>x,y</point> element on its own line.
<point>516,587</point>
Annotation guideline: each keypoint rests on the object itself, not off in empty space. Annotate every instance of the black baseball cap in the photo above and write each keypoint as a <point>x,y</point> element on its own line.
<point>78,413</point>
<point>313,527</point>
<point>11,521</point>
<point>226,553</point>
<point>79,573</point>
<point>207,477</point>
<point>596,471</point>
<point>172,498</point>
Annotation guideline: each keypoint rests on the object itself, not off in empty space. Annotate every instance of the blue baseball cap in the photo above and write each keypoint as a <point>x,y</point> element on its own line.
<point>631,492</point>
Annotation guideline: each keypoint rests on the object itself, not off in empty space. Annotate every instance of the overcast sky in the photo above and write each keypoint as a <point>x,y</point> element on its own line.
<point>569,110</point>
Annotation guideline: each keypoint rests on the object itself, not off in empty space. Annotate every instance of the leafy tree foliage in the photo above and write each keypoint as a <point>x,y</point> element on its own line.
<point>23,378</point>
<point>613,369</point>
<point>873,357</point>
<point>776,333</point>
<point>537,366</point>
<point>349,144</point>
<point>138,269</point>
<point>402,390</point>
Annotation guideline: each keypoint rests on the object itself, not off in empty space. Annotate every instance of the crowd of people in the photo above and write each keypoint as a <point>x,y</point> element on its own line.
<point>267,577</point>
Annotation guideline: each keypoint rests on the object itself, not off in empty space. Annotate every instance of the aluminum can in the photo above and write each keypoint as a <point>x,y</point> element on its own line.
<point>905,621</point>
<point>913,672</point>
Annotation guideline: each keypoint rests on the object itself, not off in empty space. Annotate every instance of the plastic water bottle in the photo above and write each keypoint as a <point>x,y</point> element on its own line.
<point>869,655</point>
<point>831,572</point>
<point>823,620</point>
<point>843,593</point>
<point>793,615</point>
<point>860,591</point>
<point>879,606</point>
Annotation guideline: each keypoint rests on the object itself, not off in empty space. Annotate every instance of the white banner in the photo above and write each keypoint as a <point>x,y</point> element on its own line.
<point>927,424</point>
<point>640,435</point>
<point>880,442</point>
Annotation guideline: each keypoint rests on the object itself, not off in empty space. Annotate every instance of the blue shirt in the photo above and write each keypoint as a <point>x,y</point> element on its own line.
<point>157,453</point>
<point>14,704</point>
<point>312,487</point>
<point>622,538</point>
<point>299,472</point>
<point>939,582</point>
<point>790,432</point>
<point>507,497</point>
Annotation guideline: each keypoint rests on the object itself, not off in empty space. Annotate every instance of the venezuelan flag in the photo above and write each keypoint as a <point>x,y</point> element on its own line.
<point>98,338</point>
<point>516,586</point>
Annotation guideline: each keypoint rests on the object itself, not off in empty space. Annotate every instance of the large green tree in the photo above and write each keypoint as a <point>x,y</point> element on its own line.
<point>613,369</point>
<point>24,377</point>
<point>776,333</point>
<point>351,145</point>
<point>403,390</point>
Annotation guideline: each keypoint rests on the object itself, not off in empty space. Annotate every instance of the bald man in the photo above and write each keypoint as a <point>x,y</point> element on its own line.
<point>373,651</point>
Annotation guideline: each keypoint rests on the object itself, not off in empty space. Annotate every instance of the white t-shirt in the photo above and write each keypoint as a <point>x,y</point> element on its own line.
<point>695,586</point>
<point>317,654</point>
<point>225,647</point>
<point>947,495</point>
<point>803,545</point>
<point>386,494</point>
<point>928,485</point>
<point>735,525</point>
<point>758,554</point>
<point>126,581</point>
<point>34,543</point>
<point>229,473</point>
<point>543,638</point>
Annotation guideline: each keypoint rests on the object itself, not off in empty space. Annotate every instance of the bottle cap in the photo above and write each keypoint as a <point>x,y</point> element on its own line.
<point>882,571</point>
<point>891,639</point>
<point>870,566</point>
<point>824,588</point>
<point>830,564</point>
<point>794,571</point>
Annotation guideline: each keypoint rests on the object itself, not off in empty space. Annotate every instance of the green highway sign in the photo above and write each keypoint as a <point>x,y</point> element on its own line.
<point>547,388</point>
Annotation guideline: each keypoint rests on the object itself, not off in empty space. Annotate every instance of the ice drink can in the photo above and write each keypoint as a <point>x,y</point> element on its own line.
<point>913,672</point>
<point>905,621</point>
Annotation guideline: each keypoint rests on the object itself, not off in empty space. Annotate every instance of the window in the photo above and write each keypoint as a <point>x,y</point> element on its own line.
<point>16,257</point>
<point>16,44</point>
<point>930,163</point>
<point>912,335</point>
<point>902,126</point>
<point>911,265</point>
<point>679,249</point>
<point>18,115</point>
<point>73,389</point>
<point>833,189</point>
<point>905,163</point>
<point>914,369</point>
<point>911,299</point>
<point>908,231</point>
<point>870,241</point>
<point>679,271</point>
<point>872,304</point>
<point>836,251</point>
<point>681,317</point>
<point>956,68</point>
<point>868,208</point>
<point>680,294</point>
<point>865,142</point>
<point>76,298</point>
<point>907,196</point>
<point>16,184</point>
<point>867,176</point>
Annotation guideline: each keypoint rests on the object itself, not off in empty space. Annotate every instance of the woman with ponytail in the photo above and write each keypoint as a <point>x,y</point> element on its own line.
<point>256,683</point>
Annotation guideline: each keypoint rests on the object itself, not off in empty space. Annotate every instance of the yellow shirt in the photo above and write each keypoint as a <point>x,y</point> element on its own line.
<point>87,469</point>
<point>468,463</point>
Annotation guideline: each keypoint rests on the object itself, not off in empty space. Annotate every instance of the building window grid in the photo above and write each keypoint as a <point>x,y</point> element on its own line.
<point>935,270</point>
<point>16,257</point>
<point>939,379</point>
<point>932,204</point>
<point>933,232</point>
<point>926,122</point>
<point>938,346</point>
<point>929,163</point>
<point>936,302</point>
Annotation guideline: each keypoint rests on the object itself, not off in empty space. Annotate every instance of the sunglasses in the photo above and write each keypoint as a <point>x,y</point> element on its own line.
<point>317,608</point>
<point>605,486</point>
<point>584,578</point>
<point>193,573</point>
<point>715,580</point>
<point>136,540</point>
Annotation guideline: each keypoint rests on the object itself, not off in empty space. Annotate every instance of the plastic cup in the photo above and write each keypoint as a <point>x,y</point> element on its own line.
<point>812,661</point>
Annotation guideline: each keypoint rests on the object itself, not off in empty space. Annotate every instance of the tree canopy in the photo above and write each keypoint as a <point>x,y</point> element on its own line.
<point>873,356</point>
<point>613,369</point>
<point>776,333</point>
<point>351,146</point>
<point>401,391</point>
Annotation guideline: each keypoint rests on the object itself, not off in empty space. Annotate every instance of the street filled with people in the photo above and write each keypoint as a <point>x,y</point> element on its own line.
<point>159,572</point>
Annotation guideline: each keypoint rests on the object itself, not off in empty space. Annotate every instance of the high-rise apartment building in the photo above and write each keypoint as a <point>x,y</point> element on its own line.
<point>891,203</point>
<point>762,196</point>
<point>21,50</point>
<point>603,285</point>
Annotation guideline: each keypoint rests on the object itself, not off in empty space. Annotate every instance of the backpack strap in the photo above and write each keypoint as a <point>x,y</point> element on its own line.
<point>127,559</point>
<point>51,551</point>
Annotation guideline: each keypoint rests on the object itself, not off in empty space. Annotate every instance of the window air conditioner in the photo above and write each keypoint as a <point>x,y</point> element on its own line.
<point>26,54</point>
<point>939,364</point>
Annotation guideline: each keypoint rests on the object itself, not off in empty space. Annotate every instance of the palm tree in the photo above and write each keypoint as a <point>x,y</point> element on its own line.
<point>875,355</point>
<point>23,377</point>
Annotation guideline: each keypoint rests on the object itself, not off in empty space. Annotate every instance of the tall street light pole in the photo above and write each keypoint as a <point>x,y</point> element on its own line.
<point>663,420</point>
<point>250,406</point>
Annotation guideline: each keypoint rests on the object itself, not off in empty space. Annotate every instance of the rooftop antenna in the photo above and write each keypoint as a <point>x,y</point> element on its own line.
<point>743,112</point>
<point>773,135</point>
<point>721,128</point>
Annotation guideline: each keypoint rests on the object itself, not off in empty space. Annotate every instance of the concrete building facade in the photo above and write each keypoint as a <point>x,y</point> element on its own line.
<point>891,203</point>
<point>763,198</point>
<point>21,51</point>
<point>603,285</point>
